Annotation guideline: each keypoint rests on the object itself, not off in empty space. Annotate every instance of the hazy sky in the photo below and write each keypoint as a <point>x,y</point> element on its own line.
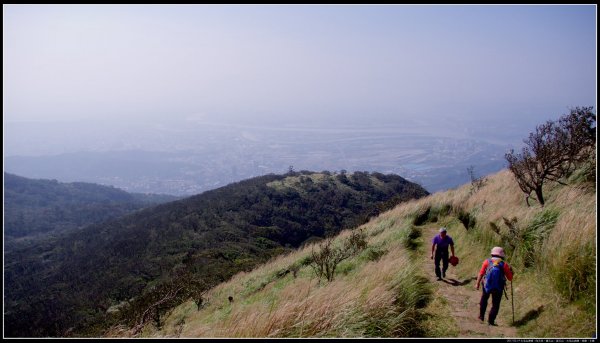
<point>279,63</point>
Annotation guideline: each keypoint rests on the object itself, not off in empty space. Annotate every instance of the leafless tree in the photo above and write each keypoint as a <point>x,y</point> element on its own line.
<point>541,159</point>
<point>580,135</point>
<point>161,299</point>
<point>476,182</point>
<point>553,151</point>
<point>325,261</point>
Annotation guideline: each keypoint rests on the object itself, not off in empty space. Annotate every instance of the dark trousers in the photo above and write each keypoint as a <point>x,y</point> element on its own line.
<point>441,255</point>
<point>496,298</point>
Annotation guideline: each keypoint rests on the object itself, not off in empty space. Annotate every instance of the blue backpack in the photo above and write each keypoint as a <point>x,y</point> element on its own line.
<point>494,276</point>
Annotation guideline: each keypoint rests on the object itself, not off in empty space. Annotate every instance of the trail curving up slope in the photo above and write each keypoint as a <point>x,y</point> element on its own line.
<point>462,298</point>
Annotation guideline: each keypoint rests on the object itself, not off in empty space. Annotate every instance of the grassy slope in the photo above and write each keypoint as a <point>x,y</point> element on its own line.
<point>554,285</point>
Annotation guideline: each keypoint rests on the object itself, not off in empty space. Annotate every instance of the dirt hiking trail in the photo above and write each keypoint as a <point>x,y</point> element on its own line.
<point>462,297</point>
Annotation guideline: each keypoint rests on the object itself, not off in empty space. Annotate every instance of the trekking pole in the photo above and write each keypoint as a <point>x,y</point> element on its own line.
<point>512,299</point>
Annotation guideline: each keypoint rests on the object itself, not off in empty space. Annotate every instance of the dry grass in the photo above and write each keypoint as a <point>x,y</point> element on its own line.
<point>570,250</point>
<point>564,283</point>
<point>304,307</point>
<point>546,295</point>
<point>379,298</point>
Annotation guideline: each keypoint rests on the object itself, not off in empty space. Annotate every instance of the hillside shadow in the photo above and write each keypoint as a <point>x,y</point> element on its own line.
<point>531,315</point>
<point>456,283</point>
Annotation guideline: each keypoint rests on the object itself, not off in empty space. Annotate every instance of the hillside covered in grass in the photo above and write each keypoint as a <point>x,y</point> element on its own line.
<point>115,271</point>
<point>384,287</point>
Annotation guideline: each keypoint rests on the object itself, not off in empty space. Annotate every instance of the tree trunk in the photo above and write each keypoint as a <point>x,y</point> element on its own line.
<point>540,196</point>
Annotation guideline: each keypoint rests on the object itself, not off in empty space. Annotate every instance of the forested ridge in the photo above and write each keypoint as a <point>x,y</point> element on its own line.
<point>112,273</point>
<point>44,207</point>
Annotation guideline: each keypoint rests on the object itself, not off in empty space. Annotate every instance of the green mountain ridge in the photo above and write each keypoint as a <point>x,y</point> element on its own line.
<point>46,207</point>
<point>65,287</point>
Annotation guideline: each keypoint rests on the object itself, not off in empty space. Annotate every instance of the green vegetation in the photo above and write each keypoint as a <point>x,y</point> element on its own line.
<point>533,236</point>
<point>381,292</point>
<point>377,291</point>
<point>34,207</point>
<point>551,249</point>
<point>326,259</point>
<point>142,265</point>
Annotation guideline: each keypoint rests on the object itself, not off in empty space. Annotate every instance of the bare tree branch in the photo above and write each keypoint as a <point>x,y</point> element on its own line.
<point>553,151</point>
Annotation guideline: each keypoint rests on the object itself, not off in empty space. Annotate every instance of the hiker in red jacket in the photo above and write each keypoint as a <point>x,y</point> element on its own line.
<point>495,271</point>
<point>441,253</point>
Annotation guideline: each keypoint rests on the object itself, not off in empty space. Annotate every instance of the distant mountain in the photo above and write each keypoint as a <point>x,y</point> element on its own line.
<point>65,287</point>
<point>42,207</point>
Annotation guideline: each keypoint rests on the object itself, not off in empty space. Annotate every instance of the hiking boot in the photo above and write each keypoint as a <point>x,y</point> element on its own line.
<point>439,278</point>
<point>480,318</point>
<point>492,324</point>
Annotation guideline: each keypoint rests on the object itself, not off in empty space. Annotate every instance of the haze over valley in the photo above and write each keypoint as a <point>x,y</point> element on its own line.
<point>182,99</point>
<point>189,157</point>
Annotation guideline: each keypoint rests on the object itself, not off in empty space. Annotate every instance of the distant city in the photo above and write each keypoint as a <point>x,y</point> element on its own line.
<point>187,160</point>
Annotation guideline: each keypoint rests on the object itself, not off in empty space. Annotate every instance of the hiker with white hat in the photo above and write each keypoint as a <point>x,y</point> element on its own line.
<point>495,272</point>
<point>442,241</point>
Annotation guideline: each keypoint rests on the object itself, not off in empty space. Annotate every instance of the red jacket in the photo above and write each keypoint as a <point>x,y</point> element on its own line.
<point>507,269</point>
